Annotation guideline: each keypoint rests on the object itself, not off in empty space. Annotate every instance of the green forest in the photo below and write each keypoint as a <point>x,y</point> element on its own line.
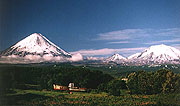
<point>26,81</point>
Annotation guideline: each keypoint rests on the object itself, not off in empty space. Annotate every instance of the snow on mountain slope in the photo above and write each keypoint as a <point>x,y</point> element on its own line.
<point>134,56</point>
<point>37,48</point>
<point>116,58</point>
<point>35,44</point>
<point>157,54</point>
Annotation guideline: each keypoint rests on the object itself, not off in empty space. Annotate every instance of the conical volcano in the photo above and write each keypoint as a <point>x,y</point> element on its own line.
<point>35,47</point>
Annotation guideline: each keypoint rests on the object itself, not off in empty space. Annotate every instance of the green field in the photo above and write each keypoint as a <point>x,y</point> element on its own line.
<point>36,97</point>
<point>32,85</point>
<point>43,97</point>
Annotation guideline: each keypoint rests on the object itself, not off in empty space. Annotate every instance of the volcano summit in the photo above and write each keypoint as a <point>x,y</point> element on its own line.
<point>33,49</point>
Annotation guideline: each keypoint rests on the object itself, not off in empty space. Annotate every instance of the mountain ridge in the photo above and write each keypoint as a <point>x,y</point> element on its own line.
<point>116,58</point>
<point>159,54</point>
<point>156,54</point>
<point>37,48</point>
<point>35,44</point>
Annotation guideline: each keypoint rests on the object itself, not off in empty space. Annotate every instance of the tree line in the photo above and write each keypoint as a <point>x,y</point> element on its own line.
<point>161,81</point>
<point>143,82</point>
<point>139,82</point>
<point>46,76</point>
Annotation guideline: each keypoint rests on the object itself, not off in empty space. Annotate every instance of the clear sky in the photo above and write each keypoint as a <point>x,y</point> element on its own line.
<point>93,27</point>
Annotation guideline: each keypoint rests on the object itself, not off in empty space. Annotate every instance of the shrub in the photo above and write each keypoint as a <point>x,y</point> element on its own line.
<point>161,81</point>
<point>114,87</point>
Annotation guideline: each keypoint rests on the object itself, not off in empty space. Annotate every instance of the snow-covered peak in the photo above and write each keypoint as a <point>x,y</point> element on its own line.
<point>163,52</point>
<point>36,48</point>
<point>134,56</point>
<point>116,57</point>
<point>37,43</point>
<point>158,54</point>
<point>163,49</point>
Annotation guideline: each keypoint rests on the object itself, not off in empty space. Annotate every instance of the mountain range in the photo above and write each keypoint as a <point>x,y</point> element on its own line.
<point>158,54</point>
<point>37,48</point>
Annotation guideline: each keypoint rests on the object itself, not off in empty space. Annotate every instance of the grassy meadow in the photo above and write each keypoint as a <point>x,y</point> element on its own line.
<point>32,86</point>
<point>43,97</point>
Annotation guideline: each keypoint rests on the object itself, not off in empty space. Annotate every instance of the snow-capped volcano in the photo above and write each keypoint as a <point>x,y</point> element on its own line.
<point>35,48</point>
<point>157,54</point>
<point>35,44</point>
<point>116,58</point>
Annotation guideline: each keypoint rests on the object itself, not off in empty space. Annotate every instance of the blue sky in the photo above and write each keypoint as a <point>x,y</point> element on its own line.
<point>93,27</point>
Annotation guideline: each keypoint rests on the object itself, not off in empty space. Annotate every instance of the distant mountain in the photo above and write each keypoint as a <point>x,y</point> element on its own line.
<point>154,55</point>
<point>35,48</point>
<point>158,54</point>
<point>116,58</point>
